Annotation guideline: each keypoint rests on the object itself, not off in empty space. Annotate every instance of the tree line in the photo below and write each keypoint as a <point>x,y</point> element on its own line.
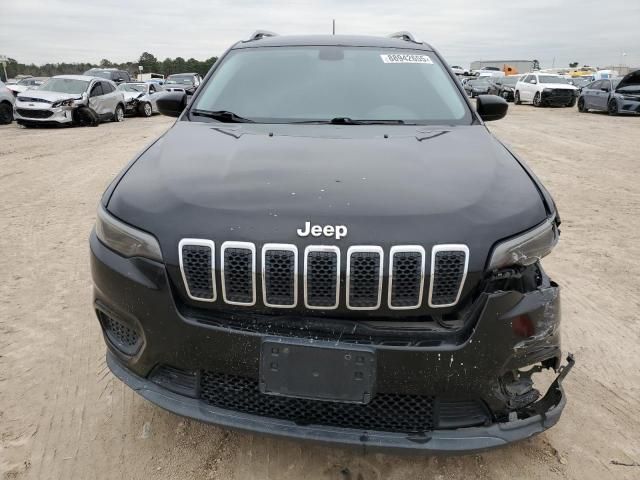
<point>147,60</point>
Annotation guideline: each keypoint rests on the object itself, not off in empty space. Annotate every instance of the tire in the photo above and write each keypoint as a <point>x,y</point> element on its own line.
<point>6,113</point>
<point>581,106</point>
<point>118,115</point>
<point>516,98</point>
<point>145,109</point>
<point>537,100</point>
<point>612,107</point>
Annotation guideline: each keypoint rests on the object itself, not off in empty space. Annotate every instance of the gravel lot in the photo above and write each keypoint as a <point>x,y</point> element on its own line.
<point>64,416</point>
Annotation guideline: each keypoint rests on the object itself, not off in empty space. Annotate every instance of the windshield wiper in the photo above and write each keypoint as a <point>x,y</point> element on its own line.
<point>351,121</point>
<point>221,115</point>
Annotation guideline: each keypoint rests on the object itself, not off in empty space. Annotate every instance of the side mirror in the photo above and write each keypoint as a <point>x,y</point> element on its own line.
<point>532,81</point>
<point>491,107</point>
<point>172,103</point>
<point>84,97</point>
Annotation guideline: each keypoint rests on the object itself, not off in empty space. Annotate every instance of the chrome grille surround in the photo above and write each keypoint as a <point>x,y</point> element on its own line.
<point>447,248</point>
<point>252,271</point>
<point>198,242</point>
<point>365,249</point>
<point>325,249</point>
<point>405,249</point>
<point>279,247</point>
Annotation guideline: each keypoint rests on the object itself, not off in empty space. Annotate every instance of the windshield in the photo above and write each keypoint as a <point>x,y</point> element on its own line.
<point>181,79</point>
<point>551,79</point>
<point>132,87</point>
<point>321,83</point>
<point>65,85</point>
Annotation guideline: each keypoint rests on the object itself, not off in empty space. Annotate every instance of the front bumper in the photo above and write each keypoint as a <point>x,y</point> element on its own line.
<point>138,293</point>
<point>42,114</point>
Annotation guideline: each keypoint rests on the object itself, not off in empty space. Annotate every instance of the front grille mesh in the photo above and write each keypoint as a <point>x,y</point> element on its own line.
<point>34,113</point>
<point>322,278</point>
<point>448,271</point>
<point>238,275</point>
<point>279,277</point>
<point>364,279</point>
<point>407,279</point>
<point>386,412</point>
<point>365,272</point>
<point>196,262</point>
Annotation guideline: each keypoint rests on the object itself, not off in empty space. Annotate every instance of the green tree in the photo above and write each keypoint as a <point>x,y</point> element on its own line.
<point>536,65</point>
<point>149,62</point>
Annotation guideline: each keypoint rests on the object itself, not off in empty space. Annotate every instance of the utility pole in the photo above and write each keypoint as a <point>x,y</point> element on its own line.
<point>334,26</point>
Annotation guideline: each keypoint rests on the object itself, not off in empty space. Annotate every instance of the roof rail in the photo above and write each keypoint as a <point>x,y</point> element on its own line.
<point>260,34</point>
<point>406,36</point>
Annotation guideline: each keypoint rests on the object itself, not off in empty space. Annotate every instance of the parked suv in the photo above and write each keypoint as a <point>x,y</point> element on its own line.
<point>56,101</point>
<point>113,74</point>
<point>183,82</point>
<point>330,245</point>
<point>545,90</point>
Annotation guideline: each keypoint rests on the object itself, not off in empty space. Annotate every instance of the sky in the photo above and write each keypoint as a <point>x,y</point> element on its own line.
<point>556,32</point>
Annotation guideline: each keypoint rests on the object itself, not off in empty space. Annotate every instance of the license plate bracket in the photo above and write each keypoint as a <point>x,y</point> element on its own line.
<point>317,370</point>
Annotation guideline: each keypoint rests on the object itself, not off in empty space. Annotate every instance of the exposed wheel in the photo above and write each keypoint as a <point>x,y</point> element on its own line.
<point>118,115</point>
<point>6,113</point>
<point>612,107</point>
<point>516,98</point>
<point>581,106</point>
<point>537,100</point>
<point>145,109</point>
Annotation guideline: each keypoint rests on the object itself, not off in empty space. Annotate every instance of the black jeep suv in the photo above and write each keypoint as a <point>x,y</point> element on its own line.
<point>330,245</point>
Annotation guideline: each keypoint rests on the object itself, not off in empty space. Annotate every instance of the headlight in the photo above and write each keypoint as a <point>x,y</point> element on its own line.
<point>526,249</point>
<point>63,103</point>
<point>126,240</point>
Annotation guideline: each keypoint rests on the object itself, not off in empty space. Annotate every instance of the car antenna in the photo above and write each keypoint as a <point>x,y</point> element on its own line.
<point>334,26</point>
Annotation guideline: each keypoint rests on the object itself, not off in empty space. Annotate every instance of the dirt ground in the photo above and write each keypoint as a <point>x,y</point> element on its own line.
<point>64,416</point>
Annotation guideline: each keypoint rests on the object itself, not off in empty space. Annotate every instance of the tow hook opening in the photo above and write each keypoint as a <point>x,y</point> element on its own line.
<point>523,400</point>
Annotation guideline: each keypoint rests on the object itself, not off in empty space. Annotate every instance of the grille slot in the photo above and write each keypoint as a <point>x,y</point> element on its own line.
<point>406,277</point>
<point>386,411</point>
<point>321,277</point>
<point>279,275</point>
<point>449,264</point>
<point>364,277</point>
<point>238,273</point>
<point>197,263</point>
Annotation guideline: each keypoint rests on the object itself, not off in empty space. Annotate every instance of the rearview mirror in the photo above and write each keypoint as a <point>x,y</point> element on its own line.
<point>491,107</point>
<point>172,103</point>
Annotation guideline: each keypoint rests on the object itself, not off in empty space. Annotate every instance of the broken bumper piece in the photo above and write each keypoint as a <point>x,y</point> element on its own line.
<point>540,416</point>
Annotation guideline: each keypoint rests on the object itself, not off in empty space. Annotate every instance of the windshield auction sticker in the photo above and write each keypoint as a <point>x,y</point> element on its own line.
<point>405,58</point>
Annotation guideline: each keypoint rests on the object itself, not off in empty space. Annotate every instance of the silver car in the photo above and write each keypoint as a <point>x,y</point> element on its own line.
<point>58,99</point>
<point>6,105</point>
<point>140,97</point>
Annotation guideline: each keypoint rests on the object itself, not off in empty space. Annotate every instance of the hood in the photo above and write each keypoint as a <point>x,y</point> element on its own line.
<point>630,83</point>
<point>45,95</point>
<point>557,86</point>
<point>237,182</point>
<point>132,95</point>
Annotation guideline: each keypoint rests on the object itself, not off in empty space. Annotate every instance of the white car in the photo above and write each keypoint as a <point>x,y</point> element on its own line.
<point>6,105</point>
<point>459,70</point>
<point>27,84</point>
<point>141,97</point>
<point>56,101</point>
<point>545,89</point>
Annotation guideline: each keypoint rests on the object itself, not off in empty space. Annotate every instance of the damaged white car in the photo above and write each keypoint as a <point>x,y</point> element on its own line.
<point>69,99</point>
<point>140,97</point>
